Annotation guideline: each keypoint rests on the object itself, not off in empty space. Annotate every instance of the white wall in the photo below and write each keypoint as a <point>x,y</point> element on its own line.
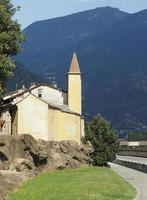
<point>51,95</point>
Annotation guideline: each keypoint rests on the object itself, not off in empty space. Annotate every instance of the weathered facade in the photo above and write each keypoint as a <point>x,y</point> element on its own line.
<point>46,112</point>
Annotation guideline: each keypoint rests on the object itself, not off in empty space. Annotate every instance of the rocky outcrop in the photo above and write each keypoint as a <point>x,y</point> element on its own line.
<point>22,157</point>
<point>9,180</point>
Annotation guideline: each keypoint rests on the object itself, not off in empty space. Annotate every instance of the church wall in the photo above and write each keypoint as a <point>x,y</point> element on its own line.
<point>64,126</point>
<point>14,121</point>
<point>33,117</point>
<point>82,127</point>
<point>53,123</point>
<point>5,123</point>
<point>51,95</point>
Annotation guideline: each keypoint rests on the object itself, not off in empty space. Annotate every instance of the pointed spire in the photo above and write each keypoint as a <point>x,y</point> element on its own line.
<point>74,67</point>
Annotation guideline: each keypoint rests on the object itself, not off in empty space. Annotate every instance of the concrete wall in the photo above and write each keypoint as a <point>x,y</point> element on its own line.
<point>138,166</point>
<point>51,95</point>
<point>64,126</point>
<point>137,148</point>
<point>136,153</point>
<point>33,118</point>
<point>75,93</point>
<point>133,143</point>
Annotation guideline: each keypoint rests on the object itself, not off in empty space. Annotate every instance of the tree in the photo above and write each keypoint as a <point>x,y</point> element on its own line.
<point>104,140</point>
<point>10,39</point>
<point>137,136</point>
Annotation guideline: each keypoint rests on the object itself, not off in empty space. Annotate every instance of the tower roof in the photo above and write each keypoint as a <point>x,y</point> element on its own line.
<point>74,67</point>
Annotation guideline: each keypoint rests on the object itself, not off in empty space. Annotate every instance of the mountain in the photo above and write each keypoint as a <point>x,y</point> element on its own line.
<point>49,43</point>
<point>111,46</point>
<point>22,76</point>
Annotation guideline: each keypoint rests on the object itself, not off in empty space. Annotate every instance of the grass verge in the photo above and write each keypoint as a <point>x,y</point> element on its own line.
<point>78,184</point>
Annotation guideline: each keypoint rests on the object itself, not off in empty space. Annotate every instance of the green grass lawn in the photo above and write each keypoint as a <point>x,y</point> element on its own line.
<point>79,184</point>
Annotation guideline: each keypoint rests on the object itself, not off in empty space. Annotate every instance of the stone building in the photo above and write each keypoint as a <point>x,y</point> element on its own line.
<point>46,112</point>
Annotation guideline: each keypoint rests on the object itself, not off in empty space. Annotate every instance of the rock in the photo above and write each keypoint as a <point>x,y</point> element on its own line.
<point>22,146</point>
<point>4,161</point>
<point>23,152</point>
<point>8,181</point>
<point>65,154</point>
<point>21,164</point>
<point>54,160</point>
<point>24,157</point>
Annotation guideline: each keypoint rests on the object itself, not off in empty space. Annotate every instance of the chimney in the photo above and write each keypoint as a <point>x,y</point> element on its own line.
<point>54,84</point>
<point>23,87</point>
<point>32,85</point>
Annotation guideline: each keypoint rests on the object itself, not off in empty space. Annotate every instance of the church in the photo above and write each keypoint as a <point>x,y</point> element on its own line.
<point>44,111</point>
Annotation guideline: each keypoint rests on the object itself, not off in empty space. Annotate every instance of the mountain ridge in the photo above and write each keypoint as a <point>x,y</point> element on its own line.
<point>72,14</point>
<point>111,46</point>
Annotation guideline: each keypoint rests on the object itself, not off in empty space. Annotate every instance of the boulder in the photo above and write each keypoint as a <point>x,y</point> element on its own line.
<point>21,146</point>
<point>66,154</point>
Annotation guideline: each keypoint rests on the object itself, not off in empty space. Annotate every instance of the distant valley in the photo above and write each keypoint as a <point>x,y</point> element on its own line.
<point>22,77</point>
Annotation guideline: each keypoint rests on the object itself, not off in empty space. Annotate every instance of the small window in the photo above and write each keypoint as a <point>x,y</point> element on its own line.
<point>40,92</point>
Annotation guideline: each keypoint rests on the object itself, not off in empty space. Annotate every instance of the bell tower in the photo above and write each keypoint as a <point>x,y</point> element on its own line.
<point>75,86</point>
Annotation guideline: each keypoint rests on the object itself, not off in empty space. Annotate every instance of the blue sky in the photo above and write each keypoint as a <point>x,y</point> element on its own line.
<point>34,10</point>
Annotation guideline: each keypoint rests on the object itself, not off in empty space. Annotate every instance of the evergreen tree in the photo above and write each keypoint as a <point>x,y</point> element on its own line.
<point>10,38</point>
<point>104,140</point>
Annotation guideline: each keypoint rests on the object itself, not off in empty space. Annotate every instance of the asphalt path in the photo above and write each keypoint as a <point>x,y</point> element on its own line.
<point>134,177</point>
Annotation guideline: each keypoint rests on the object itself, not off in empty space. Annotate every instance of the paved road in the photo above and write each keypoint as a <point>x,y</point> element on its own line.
<point>136,178</point>
<point>133,159</point>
